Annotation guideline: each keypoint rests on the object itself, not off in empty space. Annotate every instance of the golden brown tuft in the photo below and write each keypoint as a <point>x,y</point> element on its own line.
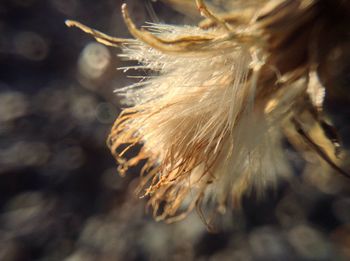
<point>225,95</point>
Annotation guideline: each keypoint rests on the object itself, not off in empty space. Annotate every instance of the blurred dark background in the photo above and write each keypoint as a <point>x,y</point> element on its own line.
<point>60,195</point>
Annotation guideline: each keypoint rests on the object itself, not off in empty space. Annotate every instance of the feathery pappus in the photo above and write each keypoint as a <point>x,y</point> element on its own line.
<point>224,95</point>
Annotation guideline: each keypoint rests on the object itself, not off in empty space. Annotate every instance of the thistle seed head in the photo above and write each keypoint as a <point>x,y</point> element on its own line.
<point>223,95</point>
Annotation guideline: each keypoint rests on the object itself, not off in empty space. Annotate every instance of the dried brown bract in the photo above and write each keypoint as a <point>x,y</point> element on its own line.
<point>225,95</point>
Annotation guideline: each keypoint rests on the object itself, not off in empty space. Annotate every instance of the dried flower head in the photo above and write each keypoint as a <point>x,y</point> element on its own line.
<point>222,97</point>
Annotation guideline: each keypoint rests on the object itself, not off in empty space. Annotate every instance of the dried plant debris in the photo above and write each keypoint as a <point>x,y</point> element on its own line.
<point>212,117</point>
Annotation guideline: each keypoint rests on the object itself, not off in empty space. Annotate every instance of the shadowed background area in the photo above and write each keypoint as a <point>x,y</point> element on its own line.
<point>60,195</point>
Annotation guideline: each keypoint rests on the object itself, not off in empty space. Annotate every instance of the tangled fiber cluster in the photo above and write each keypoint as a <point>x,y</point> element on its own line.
<point>222,97</point>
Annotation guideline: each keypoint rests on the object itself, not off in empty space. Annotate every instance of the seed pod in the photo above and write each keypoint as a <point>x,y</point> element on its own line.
<point>225,94</point>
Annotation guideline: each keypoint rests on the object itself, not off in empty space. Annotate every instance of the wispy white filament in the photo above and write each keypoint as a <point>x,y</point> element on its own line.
<point>200,110</point>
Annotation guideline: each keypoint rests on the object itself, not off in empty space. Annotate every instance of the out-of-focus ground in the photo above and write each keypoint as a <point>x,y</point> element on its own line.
<point>60,195</point>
